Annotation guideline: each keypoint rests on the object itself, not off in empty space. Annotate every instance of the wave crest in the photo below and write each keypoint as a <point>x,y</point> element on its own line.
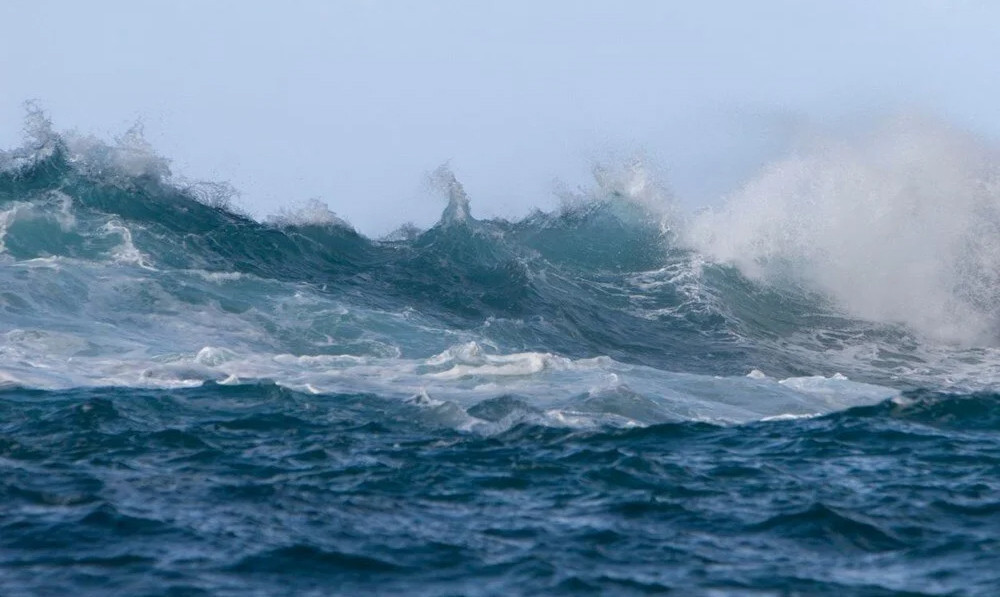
<point>900,225</point>
<point>109,252</point>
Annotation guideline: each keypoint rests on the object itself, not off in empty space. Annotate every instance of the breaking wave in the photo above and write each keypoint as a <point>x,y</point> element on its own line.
<point>839,276</point>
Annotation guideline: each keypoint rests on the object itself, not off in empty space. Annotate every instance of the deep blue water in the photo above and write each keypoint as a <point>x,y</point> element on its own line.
<point>194,402</point>
<point>255,489</point>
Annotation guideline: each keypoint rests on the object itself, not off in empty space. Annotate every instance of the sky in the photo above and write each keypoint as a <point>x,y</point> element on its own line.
<point>355,102</point>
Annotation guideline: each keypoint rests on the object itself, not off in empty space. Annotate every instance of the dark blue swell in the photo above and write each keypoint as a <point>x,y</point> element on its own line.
<point>255,489</point>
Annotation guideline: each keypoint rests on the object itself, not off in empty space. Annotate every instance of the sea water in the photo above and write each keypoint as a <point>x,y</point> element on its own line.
<point>791,394</point>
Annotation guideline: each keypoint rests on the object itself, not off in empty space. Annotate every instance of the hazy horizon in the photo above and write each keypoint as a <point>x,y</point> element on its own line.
<point>354,104</point>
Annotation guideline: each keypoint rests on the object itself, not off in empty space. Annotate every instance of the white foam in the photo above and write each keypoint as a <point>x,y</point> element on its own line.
<point>836,386</point>
<point>633,181</point>
<point>127,158</point>
<point>790,417</point>
<point>126,251</point>
<point>309,213</point>
<point>900,225</point>
<point>470,360</point>
<point>40,142</point>
<point>7,216</point>
<point>577,392</point>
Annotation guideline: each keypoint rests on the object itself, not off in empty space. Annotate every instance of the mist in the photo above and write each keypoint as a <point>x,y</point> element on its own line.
<point>353,104</point>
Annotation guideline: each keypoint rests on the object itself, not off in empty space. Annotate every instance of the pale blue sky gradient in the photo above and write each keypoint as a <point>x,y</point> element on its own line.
<point>354,102</point>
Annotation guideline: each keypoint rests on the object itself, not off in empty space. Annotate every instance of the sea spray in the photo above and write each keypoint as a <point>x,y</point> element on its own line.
<point>899,225</point>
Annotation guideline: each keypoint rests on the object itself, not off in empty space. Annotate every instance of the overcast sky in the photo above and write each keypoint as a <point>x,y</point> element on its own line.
<point>354,102</point>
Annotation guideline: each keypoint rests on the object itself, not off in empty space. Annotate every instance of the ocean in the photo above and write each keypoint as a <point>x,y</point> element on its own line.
<point>793,393</point>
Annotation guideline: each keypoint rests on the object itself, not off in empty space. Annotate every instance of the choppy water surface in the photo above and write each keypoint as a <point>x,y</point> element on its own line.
<point>610,398</point>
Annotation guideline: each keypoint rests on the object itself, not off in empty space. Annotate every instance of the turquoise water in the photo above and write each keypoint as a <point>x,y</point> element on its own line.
<point>583,401</point>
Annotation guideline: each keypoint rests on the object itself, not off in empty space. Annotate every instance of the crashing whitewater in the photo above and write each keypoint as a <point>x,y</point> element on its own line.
<point>840,276</point>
